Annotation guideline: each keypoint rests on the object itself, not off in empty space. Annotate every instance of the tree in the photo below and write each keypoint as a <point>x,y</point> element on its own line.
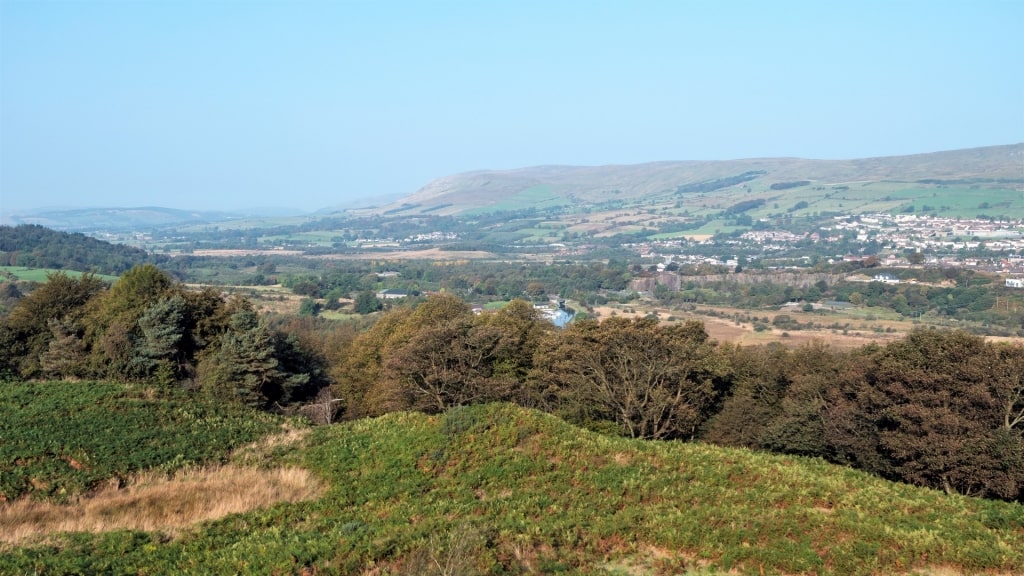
<point>160,357</point>
<point>309,307</point>
<point>522,329</point>
<point>360,379</point>
<point>654,382</point>
<point>451,364</point>
<point>112,322</point>
<point>1008,386</point>
<point>65,354</point>
<point>367,302</point>
<point>925,413</point>
<point>28,327</point>
<point>244,367</point>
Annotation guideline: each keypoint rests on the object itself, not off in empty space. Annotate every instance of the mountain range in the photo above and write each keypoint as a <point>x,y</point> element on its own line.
<point>558,186</point>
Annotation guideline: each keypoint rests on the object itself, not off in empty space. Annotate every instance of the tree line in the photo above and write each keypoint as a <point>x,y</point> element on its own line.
<point>148,328</point>
<point>942,409</point>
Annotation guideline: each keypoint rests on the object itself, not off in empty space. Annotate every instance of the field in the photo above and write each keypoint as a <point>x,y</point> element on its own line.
<point>39,274</point>
<point>501,489</point>
<point>540,197</point>
<point>842,329</point>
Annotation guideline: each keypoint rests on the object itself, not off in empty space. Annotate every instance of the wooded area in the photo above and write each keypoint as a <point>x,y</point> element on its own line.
<point>943,409</point>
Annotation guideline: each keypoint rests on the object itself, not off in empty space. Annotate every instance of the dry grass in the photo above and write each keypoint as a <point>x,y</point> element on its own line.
<point>263,451</point>
<point>862,332</point>
<point>155,502</point>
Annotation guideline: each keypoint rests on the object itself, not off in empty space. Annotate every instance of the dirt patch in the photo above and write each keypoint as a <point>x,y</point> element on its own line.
<point>428,254</point>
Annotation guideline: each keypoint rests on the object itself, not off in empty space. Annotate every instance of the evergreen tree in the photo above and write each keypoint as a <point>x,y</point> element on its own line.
<point>158,349</point>
<point>245,368</point>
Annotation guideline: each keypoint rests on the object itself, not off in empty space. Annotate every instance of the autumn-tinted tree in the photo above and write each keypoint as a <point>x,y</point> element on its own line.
<point>652,381</point>
<point>449,364</point>
<point>357,374</point>
<point>522,329</point>
<point>760,380</point>
<point>362,381</point>
<point>926,413</point>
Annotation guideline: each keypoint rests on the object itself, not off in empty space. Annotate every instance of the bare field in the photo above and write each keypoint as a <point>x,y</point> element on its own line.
<point>239,252</point>
<point>426,254</point>
<point>859,332</point>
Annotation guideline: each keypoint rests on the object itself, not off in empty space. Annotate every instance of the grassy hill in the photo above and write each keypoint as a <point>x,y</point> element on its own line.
<point>551,186</point>
<point>501,489</point>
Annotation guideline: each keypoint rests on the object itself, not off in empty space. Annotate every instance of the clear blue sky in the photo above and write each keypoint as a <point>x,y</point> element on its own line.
<point>305,104</point>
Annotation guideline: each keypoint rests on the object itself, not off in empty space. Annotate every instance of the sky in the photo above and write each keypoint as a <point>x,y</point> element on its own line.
<point>310,104</point>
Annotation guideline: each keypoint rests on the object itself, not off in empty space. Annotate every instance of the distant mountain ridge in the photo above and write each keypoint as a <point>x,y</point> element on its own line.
<point>552,185</point>
<point>131,219</point>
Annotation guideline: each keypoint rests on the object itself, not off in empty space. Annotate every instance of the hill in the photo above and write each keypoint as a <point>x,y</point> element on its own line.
<point>114,219</point>
<point>502,489</point>
<point>552,186</point>
<point>38,247</point>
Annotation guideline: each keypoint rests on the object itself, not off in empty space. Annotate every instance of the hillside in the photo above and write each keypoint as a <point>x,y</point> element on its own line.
<point>34,246</point>
<point>501,489</point>
<point>550,186</point>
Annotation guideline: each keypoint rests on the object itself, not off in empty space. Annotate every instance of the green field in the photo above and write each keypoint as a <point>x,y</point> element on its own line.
<point>505,490</point>
<point>39,274</point>
<point>539,197</point>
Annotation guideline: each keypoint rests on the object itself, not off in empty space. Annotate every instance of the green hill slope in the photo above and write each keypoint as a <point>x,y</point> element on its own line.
<point>501,489</point>
<point>38,247</point>
<point>551,186</point>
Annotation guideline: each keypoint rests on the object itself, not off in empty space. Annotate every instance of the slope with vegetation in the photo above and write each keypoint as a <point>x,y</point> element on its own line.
<point>501,489</point>
<point>938,409</point>
<point>34,246</point>
<point>558,185</point>
<point>471,482</point>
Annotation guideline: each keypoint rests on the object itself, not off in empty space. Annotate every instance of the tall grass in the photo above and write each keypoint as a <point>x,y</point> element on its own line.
<point>155,502</point>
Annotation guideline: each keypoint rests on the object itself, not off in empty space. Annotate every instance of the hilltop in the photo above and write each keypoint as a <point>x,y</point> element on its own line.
<point>502,489</point>
<point>552,186</point>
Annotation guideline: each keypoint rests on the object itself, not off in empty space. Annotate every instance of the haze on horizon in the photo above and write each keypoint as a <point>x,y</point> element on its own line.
<point>309,104</point>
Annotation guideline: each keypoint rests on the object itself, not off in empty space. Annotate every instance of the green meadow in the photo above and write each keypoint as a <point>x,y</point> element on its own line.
<point>40,274</point>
